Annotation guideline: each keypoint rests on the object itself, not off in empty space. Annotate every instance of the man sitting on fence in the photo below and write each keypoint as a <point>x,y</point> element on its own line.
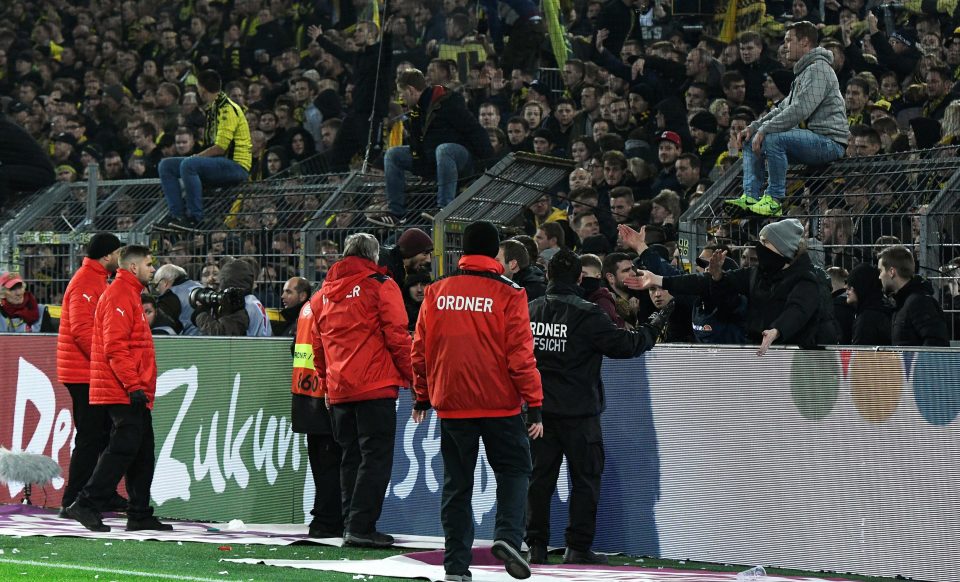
<point>445,139</point>
<point>809,126</point>
<point>226,160</point>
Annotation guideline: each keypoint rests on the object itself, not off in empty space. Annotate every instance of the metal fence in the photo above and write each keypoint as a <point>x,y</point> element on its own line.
<point>852,209</point>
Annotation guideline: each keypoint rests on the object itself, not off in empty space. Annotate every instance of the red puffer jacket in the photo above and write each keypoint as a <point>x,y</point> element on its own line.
<point>122,358</point>
<point>473,348</point>
<point>361,345</point>
<point>76,322</point>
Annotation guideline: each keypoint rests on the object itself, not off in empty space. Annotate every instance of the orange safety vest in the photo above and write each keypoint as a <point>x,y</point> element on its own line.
<point>306,381</point>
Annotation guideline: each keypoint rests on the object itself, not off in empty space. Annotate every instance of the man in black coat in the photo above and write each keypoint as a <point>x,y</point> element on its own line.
<point>446,141</point>
<point>919,319</point>
<point>871,325</point>
<point>296,292</point>
<point>24,167</point>
<point>788,299</point>
<point>410,255</point>
<point>570,338</point>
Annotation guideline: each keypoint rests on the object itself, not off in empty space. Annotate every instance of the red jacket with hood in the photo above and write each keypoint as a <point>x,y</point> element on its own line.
<point>122,358</point>
<point>473,348</point>
<point>361,345</point>
<point>76,321</point>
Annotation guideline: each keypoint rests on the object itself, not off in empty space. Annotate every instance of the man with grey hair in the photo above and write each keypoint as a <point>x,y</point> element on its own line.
<point>361,354</point>
<point>173,287</point>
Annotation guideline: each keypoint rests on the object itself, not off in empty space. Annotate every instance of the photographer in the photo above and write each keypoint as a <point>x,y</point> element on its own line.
<point>233,311</point>
<point>173,288</point>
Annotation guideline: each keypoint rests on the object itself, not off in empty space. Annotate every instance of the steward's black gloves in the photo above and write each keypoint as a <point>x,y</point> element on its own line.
<point>138,399</point>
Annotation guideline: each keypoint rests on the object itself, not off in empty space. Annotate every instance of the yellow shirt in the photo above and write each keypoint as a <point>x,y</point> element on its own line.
<point>227,127</point>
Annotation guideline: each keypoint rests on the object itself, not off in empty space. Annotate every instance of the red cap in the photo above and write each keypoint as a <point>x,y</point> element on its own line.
<point>670,136</point>
<point>10,280</point>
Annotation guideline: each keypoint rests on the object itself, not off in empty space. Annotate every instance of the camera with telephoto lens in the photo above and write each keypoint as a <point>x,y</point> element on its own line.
<point>230,299</point>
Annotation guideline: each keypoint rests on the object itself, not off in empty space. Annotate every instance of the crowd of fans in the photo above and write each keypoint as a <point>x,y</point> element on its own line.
<point>646,111</point>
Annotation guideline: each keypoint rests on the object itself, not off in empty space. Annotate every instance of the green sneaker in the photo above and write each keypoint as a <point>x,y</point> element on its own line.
<point>767,206</point>
<point>744,202</point>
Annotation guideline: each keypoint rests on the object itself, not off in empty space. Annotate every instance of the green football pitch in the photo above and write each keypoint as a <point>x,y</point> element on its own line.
<point>103,560</point>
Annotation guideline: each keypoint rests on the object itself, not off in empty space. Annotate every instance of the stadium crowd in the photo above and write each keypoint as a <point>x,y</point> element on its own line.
<point>648,108</point>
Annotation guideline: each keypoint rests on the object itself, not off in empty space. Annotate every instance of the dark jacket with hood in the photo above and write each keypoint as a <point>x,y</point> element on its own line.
<point>919,319</point>
<point>570,338</point>
<point>441,116</point>
<point>533,280</point>
<point>232,320</point>
<point>871,326</point>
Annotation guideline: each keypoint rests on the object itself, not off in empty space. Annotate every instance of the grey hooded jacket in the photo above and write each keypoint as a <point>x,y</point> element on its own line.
<point>814,101</point>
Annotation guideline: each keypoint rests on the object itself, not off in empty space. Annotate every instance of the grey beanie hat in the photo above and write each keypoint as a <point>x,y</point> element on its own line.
<point>784,235</point>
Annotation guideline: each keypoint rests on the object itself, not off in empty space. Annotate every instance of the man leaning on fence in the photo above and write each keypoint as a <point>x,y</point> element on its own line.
<point>809,126</point>
<point>446,141</point>
<point>225,161</point>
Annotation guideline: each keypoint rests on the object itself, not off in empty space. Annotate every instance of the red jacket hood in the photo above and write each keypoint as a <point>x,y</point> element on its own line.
<point>346,274</point>
<point>480,263</point>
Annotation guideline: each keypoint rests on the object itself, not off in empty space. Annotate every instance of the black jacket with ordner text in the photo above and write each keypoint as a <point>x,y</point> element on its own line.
<point>570,338</point>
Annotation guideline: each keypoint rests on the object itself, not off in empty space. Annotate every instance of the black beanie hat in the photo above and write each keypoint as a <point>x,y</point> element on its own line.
<point>481,238</point>
<point>927,132</point>
<point>102,244</point>
<point>783,79</point>
<point>704,121</point>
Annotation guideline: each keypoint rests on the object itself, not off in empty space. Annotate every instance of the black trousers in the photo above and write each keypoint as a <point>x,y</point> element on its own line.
<point>581,441</point>
<point>130,454</point>
<point>365,431</point>
<point>325,454</point>
<point>508,452</point>
<point>93,433</point>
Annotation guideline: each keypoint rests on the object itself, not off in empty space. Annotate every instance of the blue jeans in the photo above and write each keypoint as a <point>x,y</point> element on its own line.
<point>452,160</point>
<point>217,171</point>
<point>779,149</point>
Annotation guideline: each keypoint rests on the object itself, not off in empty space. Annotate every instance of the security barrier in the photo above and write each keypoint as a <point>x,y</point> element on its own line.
<point>840,460</point>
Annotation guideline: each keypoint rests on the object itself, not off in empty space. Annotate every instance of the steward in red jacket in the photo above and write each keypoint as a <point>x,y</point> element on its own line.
<point>309,416</point>
<point>73,362</point>
<point>473,361</point>
<point>123,378</point>
<point>361,352</point>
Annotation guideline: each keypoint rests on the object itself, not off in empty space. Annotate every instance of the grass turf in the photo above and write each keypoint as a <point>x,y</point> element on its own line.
<point>55,559</point>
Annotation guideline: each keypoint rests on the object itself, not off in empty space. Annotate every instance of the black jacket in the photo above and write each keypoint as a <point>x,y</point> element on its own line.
<point>364,66</point>
<point>796,301</point>
<point>287,327</point>
<point>919,319</point>
<point>845,315</point>
<point>441,116</point>
<point>532,279</point>
<point>871,327</point>
<point>391,258</point>
<point>570,338</point>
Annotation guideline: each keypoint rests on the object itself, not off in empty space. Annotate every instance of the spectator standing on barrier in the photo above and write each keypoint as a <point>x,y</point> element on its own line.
<point>73,364</point>
<point>918,320</point>
<point>238,311</point>
<point>446,142</point>
<point>362,356</point>
<point>296,292</point>
<point>809,126</point>
<point>872,311</point>
<point>19,309</point>
<point>788,299</point>
<point>173,287</point>
<point>123,378</point>
<point>478,311</point>
<point>309,415</point>
<point>225,161</point>
<point>570,337</point>
<point>411,254</point>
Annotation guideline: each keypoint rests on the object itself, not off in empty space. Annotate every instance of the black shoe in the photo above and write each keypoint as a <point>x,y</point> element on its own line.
<point>117,503</point>
<point>373,539</point>
<point>63,512</point>
<point>87,517</point>
<point>387,220</point>
<point>537,554</point>
<point>512,560</point>
<point>166,223</point>
<point>588,557</point>
<point>323,532</point>
<point>430,215</point>
<point>147,524</point>
<point>187,224</point>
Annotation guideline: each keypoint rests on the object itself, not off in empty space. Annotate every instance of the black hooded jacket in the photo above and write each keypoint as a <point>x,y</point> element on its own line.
<point>533,280</point>
<point>570,338</point>
<point>919,319</point>
<point>871,325</point>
